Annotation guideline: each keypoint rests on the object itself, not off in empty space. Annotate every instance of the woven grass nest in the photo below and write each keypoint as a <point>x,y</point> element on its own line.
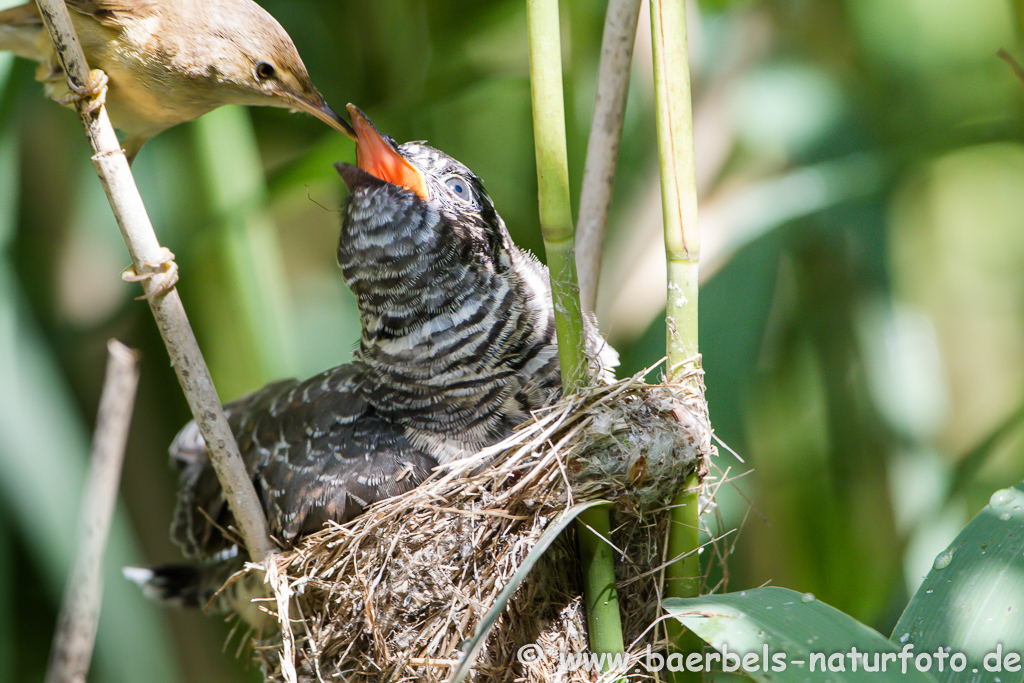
<point>393,594</point>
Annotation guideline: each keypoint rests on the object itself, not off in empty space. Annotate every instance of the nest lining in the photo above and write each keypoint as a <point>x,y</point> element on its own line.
<point>394,593</point>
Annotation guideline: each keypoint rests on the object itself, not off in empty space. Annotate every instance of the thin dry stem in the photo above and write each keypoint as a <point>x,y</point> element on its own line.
<point>126,203</point>
<point>603,147</point>
<point>80,612</point>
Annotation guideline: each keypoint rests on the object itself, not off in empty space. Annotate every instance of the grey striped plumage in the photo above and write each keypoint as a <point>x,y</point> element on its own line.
<point>457,348</point>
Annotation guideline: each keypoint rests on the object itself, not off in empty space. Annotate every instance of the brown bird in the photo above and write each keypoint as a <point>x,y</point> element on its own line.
<point>458,347</point>
<point>158,63</point>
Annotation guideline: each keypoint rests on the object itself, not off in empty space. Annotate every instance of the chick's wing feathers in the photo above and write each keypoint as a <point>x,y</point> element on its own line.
<point>316,452</point>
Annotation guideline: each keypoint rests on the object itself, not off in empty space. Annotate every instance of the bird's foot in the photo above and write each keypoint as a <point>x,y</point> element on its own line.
<point>94,93</point>
<point>163,274</point>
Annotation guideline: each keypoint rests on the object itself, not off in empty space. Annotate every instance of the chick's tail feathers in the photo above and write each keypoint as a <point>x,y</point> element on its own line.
<point>174,584</point>
<point>210,586</point>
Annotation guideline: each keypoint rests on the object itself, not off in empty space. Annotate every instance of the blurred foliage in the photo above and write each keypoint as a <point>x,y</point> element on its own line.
<point>862,317</point>
<point>797,629</point>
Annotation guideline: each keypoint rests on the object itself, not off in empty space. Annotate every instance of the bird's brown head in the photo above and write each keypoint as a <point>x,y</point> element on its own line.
<point>251,56</point>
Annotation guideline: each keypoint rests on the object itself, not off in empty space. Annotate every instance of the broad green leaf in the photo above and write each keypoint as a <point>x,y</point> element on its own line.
<point>8,214</point>
<point>972,601</point>
<point>780,635</point>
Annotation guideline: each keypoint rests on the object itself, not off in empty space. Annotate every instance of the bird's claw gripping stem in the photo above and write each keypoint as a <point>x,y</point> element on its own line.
<point>94,93</point>
<point>163,274</point>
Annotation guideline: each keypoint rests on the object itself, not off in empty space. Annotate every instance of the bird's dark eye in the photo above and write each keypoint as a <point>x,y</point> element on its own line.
<point>264,71</point>
<point>459,188</point>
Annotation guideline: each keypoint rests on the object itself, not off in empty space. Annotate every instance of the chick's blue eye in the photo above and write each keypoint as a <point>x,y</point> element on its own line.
<point>459,188</point>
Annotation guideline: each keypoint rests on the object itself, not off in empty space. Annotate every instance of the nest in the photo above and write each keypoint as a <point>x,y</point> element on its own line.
<point>394,594</point>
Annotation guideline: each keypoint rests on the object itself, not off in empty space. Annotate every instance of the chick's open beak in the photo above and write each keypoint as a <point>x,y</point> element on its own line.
<point>378,157</point>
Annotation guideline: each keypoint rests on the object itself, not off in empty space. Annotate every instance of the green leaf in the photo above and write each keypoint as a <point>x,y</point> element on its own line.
<point>971,462</point>
<point>972,600</point>
<point>472,647</point>
<point>792,636</point>
<point>256,314</point>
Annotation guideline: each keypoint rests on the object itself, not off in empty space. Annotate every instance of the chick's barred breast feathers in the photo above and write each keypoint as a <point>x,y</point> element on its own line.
<point>457,348</point>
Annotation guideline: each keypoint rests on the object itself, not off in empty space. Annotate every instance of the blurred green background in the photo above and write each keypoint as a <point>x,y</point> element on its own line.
<point>862,316</point>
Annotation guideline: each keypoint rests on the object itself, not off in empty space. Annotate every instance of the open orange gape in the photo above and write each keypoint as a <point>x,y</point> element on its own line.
<point>379,157</point>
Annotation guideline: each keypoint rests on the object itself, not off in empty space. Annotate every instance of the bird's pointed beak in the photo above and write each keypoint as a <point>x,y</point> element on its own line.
<point>378,157</point>
<point>319,109</point>
<point>332,119</point>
